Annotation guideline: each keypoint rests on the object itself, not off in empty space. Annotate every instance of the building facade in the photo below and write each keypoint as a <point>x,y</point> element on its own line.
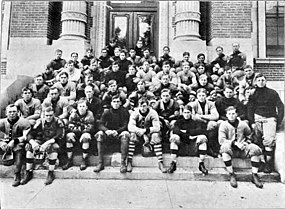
<point>33,30</point>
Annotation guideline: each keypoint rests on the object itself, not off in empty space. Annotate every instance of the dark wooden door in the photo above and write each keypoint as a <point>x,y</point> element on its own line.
<point>128,26</point>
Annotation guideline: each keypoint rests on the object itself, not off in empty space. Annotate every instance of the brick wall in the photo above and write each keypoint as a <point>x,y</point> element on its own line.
<point>229,19</point>
<point>272,71</point>
<point>29,18</point>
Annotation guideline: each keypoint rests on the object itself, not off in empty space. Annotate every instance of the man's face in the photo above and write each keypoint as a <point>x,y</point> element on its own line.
<point>89,80</point>
<point>141,86</point>
<point>58,55</point>
<point>39,81</point>
<point>117,52</point>
<point>231,115</point>
<point>248,72</point>
<point>228,93</point>
<point>54,94</point>
<point>146,66</point>
<point>112,44</point>
<point>49,116</point>
<point>261,82</point>
<point>93,66</point>
<point>115,68</point>
<point>116,103</point>
<point>203,81</point>
<point>139,44</point>
<point>186,57</point>
<point>12,113</point>
<point>165,80</point>
<point>89,92</point>
<point>88,53</point>
<point>146,53</point>
<point>122,56</point>
<point>201,70</point>
<point>186,67</point>
<point>166,68</point>
<point>63,79</point>
<point>235,47</point>
<point>132,71</point>
<point>228,73</point>
<point>49,70</point>
<point>104,53</point>
<point>82,108</point>
<point>219,51</point>
<point>132,53</point>
<point>201,96</point>
<point>27,95</point>
<point>165,97</point>
<point>113,87</point>
<point>166,51</point>
<point>186,114</point>
<point>70,66</point>
<point>201,59</point>
<point>74,57</point>
<point>143,107</point>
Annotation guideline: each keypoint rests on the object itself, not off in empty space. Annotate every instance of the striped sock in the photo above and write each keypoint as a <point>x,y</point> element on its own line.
<point>158,152</point>
<point>131,150</point>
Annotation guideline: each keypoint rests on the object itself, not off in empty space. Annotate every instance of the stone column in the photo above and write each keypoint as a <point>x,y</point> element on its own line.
<point>163,25</point>
<point>187,19</point>
<point>74,19</point>
<point>99,26</point>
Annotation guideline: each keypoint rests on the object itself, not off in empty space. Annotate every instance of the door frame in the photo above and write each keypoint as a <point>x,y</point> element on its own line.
<point>144,6</point>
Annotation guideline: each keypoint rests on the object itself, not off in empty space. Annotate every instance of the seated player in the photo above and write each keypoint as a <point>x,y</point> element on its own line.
<point>117,75</point>
<point>66,87</point>
<point>145,74</point>
<point>234,141</point>
<point>74,74</point>
<point>85,61</point>
<point>185,130</point>
<point>80,129</point>
<point>39,88</point>
<point>113,127</point>
<point>44,138</point>
<point>151,60</point>
<point>14,130</point>
<point>166,71</point>
<point>205,114</point>
<point>166,57</point>
<point>49,75</point>
<point>144,125</point>
<point>186,58</point>
<point>30,108</point>
<point>130,79</point>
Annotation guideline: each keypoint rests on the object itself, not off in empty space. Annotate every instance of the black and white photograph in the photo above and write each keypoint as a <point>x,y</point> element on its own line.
<point>142,104</point>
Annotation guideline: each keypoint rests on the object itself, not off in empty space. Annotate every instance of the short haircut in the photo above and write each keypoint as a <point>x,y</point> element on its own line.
<point>11,106</point>
<point>142,82</point>
<point>82,100</point>
<point>70,62</point>
<point>143,100</point>
<point>258,75</point>
<point>117,96</point>
<point>74,53</point>
<point>115,63</point>
<point>146,49</point>
<point>111,82</point>
<point>48,109</point>
<point>203,76</point>
<point>188,107</point>
<point>166,63</point>
<point>219,47</point>
<point>90,85</point>
<point>27,89</point>
<point>63,73</point>
<point>229,108</point>
<point>166,47</point>
<point>186,53</point>
<point>89,49</point>
<point>53,88</point>
<point>248,66</point>
<point>199,65</point>
<point>58,50</point>
<point>200,54</point>
<point>228,87</point>
<point>165,90</point>
<point>113,40</point>
<point>49,65</point>
<point>38,75</point>
<point>202,90</point>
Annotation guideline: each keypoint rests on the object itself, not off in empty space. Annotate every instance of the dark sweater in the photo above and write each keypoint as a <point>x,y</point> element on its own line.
<point>115,120</point>
<point>264,102</point>
<point>223,103</point>
<point>190,126</point>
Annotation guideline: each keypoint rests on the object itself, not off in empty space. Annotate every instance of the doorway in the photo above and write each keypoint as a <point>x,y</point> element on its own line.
<point>129,23</point>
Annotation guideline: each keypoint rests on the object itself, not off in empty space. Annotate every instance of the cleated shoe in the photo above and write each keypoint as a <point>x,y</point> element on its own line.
<point>28,176</point>
<point>172,167</point>
<point>203,169</point>
<point>161,167</point>
<point>50,178</point>
<point>233,180</point>
<point>255,180</point>
<point>17,180</point>
<point>99,168</point>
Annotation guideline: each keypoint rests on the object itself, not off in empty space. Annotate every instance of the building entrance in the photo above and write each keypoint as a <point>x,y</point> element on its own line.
<point>132,22</point>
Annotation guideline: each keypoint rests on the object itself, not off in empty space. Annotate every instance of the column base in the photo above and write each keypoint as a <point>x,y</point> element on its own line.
<point>68,45</point>
<point>194,46</point>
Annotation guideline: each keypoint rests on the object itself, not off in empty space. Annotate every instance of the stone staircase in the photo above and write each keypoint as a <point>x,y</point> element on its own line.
<point>146,169</point>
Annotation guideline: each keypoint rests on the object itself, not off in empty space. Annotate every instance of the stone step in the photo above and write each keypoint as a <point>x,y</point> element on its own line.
<point>147,173</point>
<point>140,161</point>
